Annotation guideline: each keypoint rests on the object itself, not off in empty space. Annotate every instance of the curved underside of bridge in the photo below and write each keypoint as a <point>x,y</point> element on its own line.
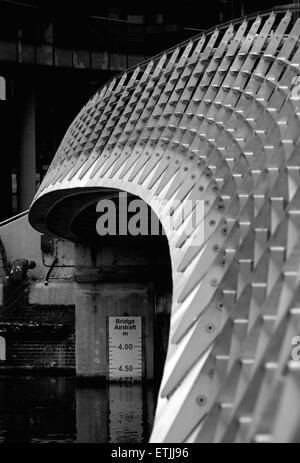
<point>215,119</point>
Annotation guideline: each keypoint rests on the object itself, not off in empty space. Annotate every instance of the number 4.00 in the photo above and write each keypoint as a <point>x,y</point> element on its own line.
<point>125,346</point>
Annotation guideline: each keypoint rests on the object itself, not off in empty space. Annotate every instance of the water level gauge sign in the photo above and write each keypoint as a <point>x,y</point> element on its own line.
<point>125,348</point>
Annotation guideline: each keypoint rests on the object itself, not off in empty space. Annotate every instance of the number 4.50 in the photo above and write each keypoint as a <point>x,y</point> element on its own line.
<point>125,368</point>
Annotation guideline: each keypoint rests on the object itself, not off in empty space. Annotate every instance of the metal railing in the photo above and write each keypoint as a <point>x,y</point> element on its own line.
<point>281,9</point>
<point>13,218</point>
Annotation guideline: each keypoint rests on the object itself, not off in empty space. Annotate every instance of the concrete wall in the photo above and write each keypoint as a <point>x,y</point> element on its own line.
<point>21,241</point>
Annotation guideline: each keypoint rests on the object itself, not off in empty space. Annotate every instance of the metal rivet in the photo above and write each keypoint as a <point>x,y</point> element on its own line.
<point>212,223</point>
<point>210,328</point>
<point>201,188</point>
<point>224,230</point>
<point>220,207</point>
<point>206,202</point>
<point>201,400</point>
<point>215,247</point>
<point>220,305</point>
<point>214,282</point>
<point>193,177</point>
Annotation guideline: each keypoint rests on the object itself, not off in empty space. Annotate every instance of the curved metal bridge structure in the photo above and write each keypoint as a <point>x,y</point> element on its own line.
<point>215,119</point>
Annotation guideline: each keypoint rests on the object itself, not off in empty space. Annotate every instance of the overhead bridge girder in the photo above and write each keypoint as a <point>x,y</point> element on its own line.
<point>215,119</point>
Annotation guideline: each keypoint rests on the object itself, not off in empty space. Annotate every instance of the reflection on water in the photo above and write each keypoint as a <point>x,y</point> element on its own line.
<point>131,413</point>
<point>126,414</point>
<point>53,409</point>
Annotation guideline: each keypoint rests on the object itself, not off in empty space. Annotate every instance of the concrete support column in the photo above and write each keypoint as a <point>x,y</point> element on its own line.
<point>27,151</point>
<point>6,153</point>
<point>99,295</point>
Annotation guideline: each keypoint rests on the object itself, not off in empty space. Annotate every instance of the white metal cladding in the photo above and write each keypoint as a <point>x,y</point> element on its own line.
<point>216,118</point>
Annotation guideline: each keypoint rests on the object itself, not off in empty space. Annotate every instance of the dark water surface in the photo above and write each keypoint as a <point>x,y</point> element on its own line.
<point>55,409</point>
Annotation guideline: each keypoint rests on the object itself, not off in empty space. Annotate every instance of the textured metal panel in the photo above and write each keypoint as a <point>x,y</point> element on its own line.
<point>214,119</point>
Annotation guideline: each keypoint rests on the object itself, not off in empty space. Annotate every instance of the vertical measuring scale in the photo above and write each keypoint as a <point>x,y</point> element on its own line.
<point>125,353</point>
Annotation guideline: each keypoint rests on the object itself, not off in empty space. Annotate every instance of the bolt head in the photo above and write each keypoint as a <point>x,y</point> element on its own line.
<point>210,328</point>
<point>201,400</point>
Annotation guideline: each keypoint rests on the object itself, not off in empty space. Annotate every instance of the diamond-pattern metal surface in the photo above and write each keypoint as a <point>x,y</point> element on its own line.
<point>216,118</point>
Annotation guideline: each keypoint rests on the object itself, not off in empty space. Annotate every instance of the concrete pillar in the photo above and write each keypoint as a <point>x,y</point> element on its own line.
<point>27,150</point>
<point>94,304</point>
<point>96,299</point>
<point>2,349</point>
<point>7,152</point>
